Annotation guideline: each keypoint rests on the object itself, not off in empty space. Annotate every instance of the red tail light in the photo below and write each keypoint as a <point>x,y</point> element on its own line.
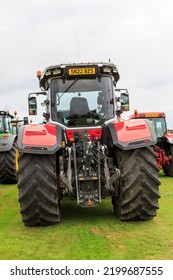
<point>70,135</point>
<point>95,133</point>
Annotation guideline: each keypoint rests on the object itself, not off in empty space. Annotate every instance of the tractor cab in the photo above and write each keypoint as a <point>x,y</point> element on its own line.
<point>81,95</point>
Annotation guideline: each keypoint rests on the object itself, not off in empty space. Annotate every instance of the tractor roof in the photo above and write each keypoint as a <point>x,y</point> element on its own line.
<point>73,70</point>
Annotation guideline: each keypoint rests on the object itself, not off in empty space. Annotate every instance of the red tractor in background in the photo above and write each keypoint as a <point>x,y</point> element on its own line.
<point>84,150</point>
<point>164,145</point>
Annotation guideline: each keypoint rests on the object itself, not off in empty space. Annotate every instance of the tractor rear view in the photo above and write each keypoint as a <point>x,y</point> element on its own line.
<point>84,150</point>
<point>164,145</point>
<point>8,148</point>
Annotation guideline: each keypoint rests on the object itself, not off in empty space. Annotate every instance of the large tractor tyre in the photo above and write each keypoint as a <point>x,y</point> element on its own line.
<point>38,191</point>
<point>168,169</point>
<point>138,191</point>
<point>9,165</point>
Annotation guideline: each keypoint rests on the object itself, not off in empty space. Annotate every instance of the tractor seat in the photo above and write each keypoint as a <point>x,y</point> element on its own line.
<point>79,113</point>
<point>79,106</point>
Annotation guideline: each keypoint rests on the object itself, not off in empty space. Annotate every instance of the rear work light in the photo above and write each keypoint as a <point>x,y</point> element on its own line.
<point>107,70</point>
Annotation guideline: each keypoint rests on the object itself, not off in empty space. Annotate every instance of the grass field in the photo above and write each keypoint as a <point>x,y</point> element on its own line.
<point>87,234</point>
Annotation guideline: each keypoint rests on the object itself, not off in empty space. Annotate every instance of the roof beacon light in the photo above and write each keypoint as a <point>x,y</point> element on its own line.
<point>39,73</point>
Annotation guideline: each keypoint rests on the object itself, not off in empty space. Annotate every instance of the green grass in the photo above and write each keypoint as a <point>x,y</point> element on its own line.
<point>87,234</point>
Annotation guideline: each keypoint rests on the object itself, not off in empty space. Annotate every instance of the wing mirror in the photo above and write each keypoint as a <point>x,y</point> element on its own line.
<point>32,105</point>
<point>124,98</point>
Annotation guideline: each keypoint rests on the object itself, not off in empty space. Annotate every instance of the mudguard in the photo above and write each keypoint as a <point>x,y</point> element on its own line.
<point>6,143</point>
<point>169,137</point>
<point>39,138</point>
<point>132,134</point>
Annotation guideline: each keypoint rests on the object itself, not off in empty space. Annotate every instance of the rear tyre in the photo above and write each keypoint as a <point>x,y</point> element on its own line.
<point>168,169</point>
<point>8,165</point>
<point>38,194</point>
<point>138,190</point>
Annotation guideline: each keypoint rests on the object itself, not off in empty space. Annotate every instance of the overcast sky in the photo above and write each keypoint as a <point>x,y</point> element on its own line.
<point>136,35</point>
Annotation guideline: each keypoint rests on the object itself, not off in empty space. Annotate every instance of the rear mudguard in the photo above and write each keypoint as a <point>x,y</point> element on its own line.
<point>130,134</point>
<point>6,143</point>
<point>39,138</point>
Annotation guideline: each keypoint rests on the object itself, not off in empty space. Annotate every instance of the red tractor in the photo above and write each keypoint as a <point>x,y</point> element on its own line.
<point>84,150</point>
<point>164,145</point>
